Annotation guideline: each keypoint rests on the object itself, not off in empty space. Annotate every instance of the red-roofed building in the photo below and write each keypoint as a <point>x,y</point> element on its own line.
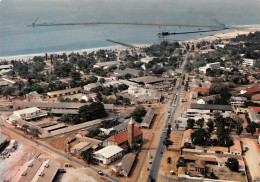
<point>129,137</point>
<point>197,91</point>
<point>257,109</point>
<point>253,90</point>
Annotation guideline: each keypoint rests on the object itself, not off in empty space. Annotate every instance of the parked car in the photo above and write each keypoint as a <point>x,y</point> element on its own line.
<point>100,173</point>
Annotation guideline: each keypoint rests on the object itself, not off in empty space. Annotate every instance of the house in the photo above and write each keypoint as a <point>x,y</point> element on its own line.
<point>206,100</point>
<point>30,113</point>
<point>198,91</point>
<point>182,122</point>
<point>168,74</point>
<point>121,73</point>
<point>56,105</point>
<point>84,144</point>
<point>148,118</point>
<point>126,138</point>
<point>3,140</point>
<point>186,139</point>
<point>254,114</point>
<point>124,168</point>
<point>209,66</point>
<point>3,83</point>
<point>11,147</point>
<point>241,110</point>
<point>60,93</point>
<point>34,96</point>
<point>182,173</point>
<point>88,87</point>
<point>191,113</point>
<point>237,101</point>
<point>253,90</point>
<point>225,110</point>
<point>118,128</point>
<point>6,67</point>
<point>150,97</point>
<point>108,154</point>
<point>37,170</point>
<point>110,99</point>
<point>248,62</point>
<point>106,65</point>
<point>234,150</point>
<point>147,80</point>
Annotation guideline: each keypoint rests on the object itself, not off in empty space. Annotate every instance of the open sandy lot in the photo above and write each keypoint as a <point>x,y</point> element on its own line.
<point>252,156</point>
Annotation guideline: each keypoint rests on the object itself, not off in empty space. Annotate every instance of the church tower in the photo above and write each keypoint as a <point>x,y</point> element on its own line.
<point>130,133</point>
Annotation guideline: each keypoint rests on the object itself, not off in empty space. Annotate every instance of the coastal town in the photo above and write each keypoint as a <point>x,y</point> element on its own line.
<point>173,111</point>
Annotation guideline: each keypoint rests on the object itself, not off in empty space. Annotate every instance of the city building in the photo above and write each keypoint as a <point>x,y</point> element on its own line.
<point>248,62</point>
<point>60,93</point>
<point>126,138</point>
<point>108,154</point>
<point>198,91</point>
<point>3,140</point>
<point>237,101</point>
<point>254,114</point>
<point>124,167</point>
<point>210,66</point>
<point>37,170</point>
<point>148,118</point>
<point>29,113</point>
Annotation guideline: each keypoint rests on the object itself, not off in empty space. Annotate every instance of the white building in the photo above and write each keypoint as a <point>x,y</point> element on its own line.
<point>108,154</point>
<point>237,101</point>
<point>196,112</point>
<point>210,66</point>
<point>248,62</point>
<point>29,113</point>
<point>254,116</point>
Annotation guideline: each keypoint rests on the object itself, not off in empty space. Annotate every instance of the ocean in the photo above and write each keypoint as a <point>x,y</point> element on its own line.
<point>16,38</point>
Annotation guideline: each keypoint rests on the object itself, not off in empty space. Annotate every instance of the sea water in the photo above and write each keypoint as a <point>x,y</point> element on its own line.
<point>16,38</point>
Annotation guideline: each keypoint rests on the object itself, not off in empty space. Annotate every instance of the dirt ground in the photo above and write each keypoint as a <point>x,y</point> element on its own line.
<point>24,152</point>
<point>79,175</point>
<point>27,150</point>
<point>252,156</point>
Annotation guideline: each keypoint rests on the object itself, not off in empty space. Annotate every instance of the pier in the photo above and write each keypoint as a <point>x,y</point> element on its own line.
<point>127,23</point>
<point>121,43</point>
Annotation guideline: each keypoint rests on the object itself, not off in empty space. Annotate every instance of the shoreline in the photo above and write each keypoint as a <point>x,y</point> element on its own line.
<point>227,35</point>
<point>30,56</point>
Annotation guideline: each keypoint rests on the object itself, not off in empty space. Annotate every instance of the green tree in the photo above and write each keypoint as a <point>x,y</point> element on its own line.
<point>138,113</point>
<point>251,128</point>
<point>122,87</point>
<point>76,76</point>
<point>210,125</point>
<point>239,129</point>
<point>87,156</point>
<point>93,111</point>
<point>102,80</point>
<point>190,124</point>
<point>201,137</point>
<point>200,122</point>
<point>167,142</point>
<point>232,164</point>
<point>169,160</point>
<point>181,162</point>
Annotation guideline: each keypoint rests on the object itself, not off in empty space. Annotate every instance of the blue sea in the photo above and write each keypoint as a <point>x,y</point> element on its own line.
<point>16,38</point>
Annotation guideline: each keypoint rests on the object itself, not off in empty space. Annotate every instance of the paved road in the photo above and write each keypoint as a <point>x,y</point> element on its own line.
<point>159,152</point>
<point>59,153</point>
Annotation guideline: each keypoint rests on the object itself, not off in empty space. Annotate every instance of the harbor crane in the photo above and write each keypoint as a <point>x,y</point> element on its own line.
<point>33,24</point>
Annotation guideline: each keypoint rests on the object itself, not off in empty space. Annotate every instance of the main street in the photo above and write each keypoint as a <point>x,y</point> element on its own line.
<point>159,152</point>
<point>59,153</point>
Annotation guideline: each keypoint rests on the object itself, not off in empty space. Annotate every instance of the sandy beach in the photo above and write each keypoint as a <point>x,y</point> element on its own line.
<point>229,35</point>
<point>232,34</point>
